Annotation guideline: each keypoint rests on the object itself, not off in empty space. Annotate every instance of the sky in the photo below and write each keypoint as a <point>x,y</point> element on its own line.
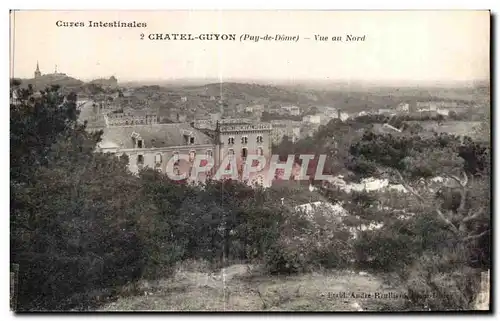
<point>410,46</point>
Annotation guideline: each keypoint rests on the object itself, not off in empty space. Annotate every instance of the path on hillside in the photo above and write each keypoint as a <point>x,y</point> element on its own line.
<point>243,288</point>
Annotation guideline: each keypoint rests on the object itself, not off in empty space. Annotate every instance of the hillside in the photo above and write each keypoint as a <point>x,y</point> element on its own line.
<point>44,81</point>
<point>244,288</point>
<point>65,81</point>
<point>248,91</point>
<point>354,99</point>
<point>233,96</point>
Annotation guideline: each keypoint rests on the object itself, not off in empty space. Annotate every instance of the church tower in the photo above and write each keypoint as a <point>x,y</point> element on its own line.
<point>37,71</point>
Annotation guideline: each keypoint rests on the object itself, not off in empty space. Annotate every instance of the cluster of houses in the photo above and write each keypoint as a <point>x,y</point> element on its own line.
<point>432,108</point>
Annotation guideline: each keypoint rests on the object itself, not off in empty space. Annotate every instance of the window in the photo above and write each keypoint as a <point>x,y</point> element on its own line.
<point>244,139</point>
<point>175,156</point>
<point>191,140</point>
<point>140,159</point>
<point>260,151</point>
<point>244,153</point>
<point>209,153</point>
<point>230,141</point>
<point>158,159</point>
<point>139,143</point>
<point>192,155</point>
<point>260,139</point>
<point>230,152</point>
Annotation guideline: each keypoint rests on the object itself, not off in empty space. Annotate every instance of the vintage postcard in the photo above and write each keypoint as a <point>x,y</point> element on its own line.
<point>250,160</point>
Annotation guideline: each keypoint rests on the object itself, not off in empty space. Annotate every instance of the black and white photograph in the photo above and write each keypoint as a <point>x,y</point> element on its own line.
<point>250,161</point>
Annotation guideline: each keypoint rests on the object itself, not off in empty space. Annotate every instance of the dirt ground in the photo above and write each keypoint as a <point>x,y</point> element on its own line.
<point>243,287</point>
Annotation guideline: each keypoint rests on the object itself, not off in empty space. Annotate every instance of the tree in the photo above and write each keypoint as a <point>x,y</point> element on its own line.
<point>409,159</point>
<point>37,122</point>
<point>442,233</point>
<point>332,140</point>
<point>74,213</point>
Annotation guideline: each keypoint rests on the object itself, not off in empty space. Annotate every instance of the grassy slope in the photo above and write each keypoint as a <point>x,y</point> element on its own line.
<point>244,289</point>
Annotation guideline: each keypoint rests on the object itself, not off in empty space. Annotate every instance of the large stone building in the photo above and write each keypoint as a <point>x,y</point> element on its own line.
<point>312,119</point>
<point>292,110</point>
<point>254,108</point>
<point>331,112</point>
<point>154,145</point>
<point>403,107</point>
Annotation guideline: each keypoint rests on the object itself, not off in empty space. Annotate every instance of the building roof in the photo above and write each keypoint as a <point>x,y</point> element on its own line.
<point>230,121</point>
<point>285,122</point>
<point>153,136</point>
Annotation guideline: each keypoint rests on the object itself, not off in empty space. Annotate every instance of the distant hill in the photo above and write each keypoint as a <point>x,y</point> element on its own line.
<point>44,81</point>
<point>68,83</point>
<point>252,93</point>
<point>353,99</point>
<point>193,96</point>
<point>276,95</point>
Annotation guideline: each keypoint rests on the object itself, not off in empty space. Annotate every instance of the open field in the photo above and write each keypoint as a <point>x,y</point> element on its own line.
<point>244,288</point>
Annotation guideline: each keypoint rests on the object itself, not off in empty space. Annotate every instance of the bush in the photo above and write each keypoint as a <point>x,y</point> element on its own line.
<point>309,242</point>
<point>53,281</point>
<point>405,239</point>
<point>286,257</point>
<point>438,282</point>
<point>378,249</point>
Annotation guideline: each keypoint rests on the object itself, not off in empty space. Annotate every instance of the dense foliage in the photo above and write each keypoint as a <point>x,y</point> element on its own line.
<point>73,212</point>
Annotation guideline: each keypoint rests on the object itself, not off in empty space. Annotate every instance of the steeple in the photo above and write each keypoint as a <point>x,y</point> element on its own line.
<point>37,71</point>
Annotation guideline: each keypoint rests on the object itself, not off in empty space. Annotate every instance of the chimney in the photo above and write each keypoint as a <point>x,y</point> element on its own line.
<point>338,114</point>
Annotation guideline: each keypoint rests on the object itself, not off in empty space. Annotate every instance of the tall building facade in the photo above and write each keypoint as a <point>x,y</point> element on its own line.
<point>241,139</point>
